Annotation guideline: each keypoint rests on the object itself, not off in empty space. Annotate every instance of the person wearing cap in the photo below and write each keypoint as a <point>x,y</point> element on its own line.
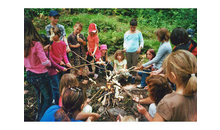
<point>93,48</point>
<point>192,45</point>
<point>54,18</point>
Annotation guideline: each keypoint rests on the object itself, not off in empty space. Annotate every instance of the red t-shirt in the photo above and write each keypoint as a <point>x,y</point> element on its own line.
<point>93,40</point>
<point>58,52</point>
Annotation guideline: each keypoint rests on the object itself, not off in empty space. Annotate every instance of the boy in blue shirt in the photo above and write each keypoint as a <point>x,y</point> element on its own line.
<point>133,42</point>
<point>54,18</point>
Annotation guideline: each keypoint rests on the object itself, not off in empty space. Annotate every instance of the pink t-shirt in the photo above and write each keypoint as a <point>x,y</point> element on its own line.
<point>92,41</point>
<point>58,52</point>
<point>36,60</point>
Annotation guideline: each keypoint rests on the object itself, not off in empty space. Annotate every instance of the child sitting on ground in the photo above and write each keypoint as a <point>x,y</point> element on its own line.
<point>150,54</point>
<point>104,57</point>
<point>67,81</point>
<point>181,69</point>
<point>120,64</point>
<point>73,103</point>
<point>158,87</point>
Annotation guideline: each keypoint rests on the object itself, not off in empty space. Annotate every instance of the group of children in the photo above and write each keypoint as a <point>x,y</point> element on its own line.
<point>46,67</point>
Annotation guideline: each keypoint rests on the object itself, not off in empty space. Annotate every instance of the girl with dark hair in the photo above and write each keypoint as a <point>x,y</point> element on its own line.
<point>179,38</point>
<point>72,104</point>
<point>150,54</point>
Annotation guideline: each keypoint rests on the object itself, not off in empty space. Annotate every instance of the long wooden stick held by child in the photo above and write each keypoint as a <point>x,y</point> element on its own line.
<point>102,88</point>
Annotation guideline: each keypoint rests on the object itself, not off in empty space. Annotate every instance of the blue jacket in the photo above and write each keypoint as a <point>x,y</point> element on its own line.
<point>49,114</point>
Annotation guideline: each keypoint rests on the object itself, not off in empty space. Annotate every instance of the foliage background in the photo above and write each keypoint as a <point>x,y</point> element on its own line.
<point>112,23</point>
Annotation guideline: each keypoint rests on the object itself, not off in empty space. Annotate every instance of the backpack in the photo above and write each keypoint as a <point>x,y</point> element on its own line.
<point>193,47</point>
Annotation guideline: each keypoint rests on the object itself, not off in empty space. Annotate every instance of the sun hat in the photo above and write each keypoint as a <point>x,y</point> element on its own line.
<point>103,47</point>
<point>54,13</point>
<point>92,27</point>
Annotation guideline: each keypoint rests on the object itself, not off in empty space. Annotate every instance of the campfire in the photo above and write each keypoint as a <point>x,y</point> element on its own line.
<point>109,95</point>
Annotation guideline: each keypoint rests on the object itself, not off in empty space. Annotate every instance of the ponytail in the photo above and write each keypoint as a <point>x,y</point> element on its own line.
<point>191,86</point>
<point>184,64</point>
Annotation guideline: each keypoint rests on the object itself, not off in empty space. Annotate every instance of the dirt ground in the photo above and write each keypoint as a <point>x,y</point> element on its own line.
<point>108,112</point>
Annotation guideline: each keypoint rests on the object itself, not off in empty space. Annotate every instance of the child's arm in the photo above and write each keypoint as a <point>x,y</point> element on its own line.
<point>83,115</point>
<point>96,46</point>
<point>141,42</point>
<point>125,66</point>
<point>67,45</point>
<point>82,40</point>
<point>42,56</point>
<point>70,41</point>
<point>75,46</point>
<point>65,57</point>
<point>55,65</point>
<point>88,48</point>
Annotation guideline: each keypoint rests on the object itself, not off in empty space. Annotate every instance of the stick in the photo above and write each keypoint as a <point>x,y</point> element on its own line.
<point>103,87</point>
<point>128,93</point>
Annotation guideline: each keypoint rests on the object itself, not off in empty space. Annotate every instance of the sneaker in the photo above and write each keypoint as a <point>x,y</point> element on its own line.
<point>95,76</point>
<point>133,80</point>
<point>140,86</point>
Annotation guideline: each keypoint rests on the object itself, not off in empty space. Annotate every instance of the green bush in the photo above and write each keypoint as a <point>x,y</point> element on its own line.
<point>113,23</point>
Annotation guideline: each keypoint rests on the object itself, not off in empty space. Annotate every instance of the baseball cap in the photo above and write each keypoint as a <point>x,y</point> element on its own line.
<point>92,27</point>
<point>190,32</point>
<point>54,13</point>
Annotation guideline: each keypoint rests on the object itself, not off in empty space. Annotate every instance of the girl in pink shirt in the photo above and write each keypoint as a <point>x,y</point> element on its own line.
<point>93,48</point>
<point>36,64</point>
<point>58,49</point>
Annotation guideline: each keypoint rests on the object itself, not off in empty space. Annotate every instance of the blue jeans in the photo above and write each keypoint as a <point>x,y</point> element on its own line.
<point>55,86</point>
<point>43,89</point>
<point>143,77</point>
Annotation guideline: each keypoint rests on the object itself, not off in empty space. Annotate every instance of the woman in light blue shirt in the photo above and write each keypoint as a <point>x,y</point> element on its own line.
<point>165,48</point>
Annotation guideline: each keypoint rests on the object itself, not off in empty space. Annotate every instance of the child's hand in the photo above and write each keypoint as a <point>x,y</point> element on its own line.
<point>68,50</point>
<point>77,45</point>
<point>57,70</point>
<point>138,51</point>
<point>65,69</point>
<point>62,63</point>
<point>119,118</point>
<point>136,99</point>
<point>146,87</point>
<point>95,116</point>
<point>79,39</point>
<point>141,109</point>
<point>87,101</point>
<point>68,65</point>
<point>46,47</point>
